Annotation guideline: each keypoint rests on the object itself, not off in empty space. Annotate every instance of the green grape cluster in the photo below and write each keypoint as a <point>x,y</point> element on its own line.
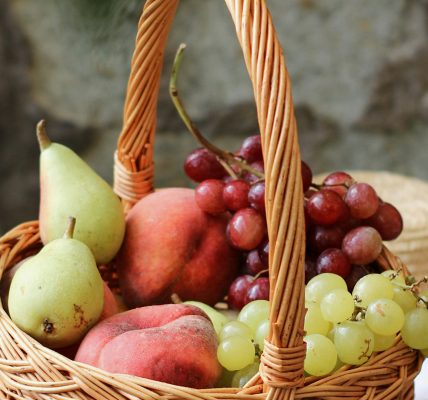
<point>341,327</point>
<point>240,340</point>
<point>344,328</point>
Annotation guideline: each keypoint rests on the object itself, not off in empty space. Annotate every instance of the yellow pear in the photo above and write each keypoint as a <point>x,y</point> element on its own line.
<point>68,186</point>
<point>58,294</point>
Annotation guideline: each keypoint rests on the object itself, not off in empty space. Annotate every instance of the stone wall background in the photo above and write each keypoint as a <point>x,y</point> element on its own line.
<point>359,73</point>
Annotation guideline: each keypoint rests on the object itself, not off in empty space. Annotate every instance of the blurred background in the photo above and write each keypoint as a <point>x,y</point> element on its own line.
<point>359,73</point>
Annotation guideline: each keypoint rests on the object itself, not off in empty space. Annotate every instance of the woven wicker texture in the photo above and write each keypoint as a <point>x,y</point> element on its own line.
<point>29,370</point>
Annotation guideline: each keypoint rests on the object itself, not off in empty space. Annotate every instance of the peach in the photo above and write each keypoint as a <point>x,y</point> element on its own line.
<point>173,343</point>
<point>172,246</point>
<point>6,280</point>
<point>111,306</point>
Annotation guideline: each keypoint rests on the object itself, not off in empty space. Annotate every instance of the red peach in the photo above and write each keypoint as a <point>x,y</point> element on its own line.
<point>171,246</point>
<point>173,343</point>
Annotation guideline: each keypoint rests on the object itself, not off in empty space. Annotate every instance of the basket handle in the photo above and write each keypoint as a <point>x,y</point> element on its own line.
<point>283,357</point>
<point>133,160</point>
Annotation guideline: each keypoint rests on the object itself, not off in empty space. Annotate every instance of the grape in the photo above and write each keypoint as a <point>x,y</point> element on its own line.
<point>387,221</point>
<point>384,317</point>
<point>339,182</point>
<point>337,306</point>
<point>357,272</point>
<point>326,207</point>
<point>238,291</point>
<point>258,166</point>
<point>331,333</point>
<point>321,355</point>
<point>254,313</point>
<point>415,328</point>
<point>235,352</point>
<point>338,178</point>
<point>404,298</point>
<point>262,333</point>
<point>310,268</point>
<point>256,196</point>
<point>321,284</point>
<point>306,176</point>
<point>235,328</point>
<point>310,192</point>
<point>201,164</point>
<point>334,261</point>
<point>306,216</point>
<point>394,276</point>
<point>362,245</point>
<point>264,252</point>
<point>362,200</point>
<point>258,290</point>
<point>354,342</point>
<point>314,321</point>
<point>349,223</point>
<point>325,237</point>
<point>209,196</point>
<point>382,343</point>
<point>247,229</point>
<point>372,287</point>
<point>253,264</point>
<point>251,149</point>
<point>217,319</point>
<point>235,194</point>
<point>241,377</point>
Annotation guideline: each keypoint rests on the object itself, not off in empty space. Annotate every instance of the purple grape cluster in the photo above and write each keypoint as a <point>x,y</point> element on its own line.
<point>346,221</point>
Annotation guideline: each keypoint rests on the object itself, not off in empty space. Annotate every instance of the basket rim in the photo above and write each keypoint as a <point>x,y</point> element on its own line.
<point>265,63</point>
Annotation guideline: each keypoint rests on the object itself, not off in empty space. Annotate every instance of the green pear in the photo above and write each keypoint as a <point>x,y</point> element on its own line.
<point>68,186</point>
<point>57,295</point>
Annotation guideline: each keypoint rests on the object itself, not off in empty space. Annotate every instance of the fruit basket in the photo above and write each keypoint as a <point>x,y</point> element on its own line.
<point>30,370</point>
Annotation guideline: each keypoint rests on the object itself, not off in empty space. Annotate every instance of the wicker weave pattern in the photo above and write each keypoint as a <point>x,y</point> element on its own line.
<point>29,370</point>
<point>282,364</point>
<point>134,157</point>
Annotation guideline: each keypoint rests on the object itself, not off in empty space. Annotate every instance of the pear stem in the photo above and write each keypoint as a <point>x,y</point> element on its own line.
<point>70,228</point>
<point>42,136</point>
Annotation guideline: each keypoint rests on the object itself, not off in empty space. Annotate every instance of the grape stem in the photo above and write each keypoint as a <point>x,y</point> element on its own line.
<point>263,271</point>
<point>225,156</point>
<point>413,284</point>
<point>175,298</point>
<point>319,187</point>
<point>422,300</point>
<point>227,167</point>
<point>359,311</point>
<point>419,282</point>
<point>316,186</point>
<point>394,274</point>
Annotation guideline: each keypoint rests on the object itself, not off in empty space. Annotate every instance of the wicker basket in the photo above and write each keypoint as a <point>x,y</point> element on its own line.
<point>30,371</point>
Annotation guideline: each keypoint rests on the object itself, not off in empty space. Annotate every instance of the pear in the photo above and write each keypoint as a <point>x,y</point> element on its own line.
<point>68,186</point>
<point>58,294</point>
